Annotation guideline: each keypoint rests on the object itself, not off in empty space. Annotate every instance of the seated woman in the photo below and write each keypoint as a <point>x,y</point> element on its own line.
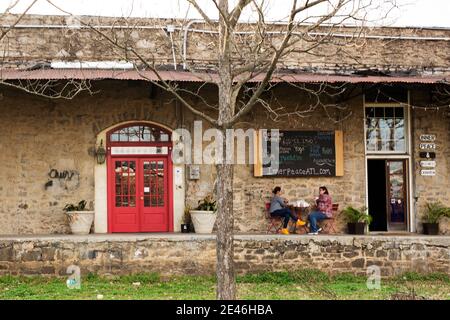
<point>323,211</point>
<point>278,208</point>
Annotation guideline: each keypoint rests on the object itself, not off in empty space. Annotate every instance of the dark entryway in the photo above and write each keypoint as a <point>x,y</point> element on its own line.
<point>387,193</point>
<point>376,170</point>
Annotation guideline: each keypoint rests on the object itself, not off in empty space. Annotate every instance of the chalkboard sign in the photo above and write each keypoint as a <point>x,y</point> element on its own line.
<point>300,154</point>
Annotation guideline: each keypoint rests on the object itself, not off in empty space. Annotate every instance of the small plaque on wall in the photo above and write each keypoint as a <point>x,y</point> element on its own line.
<point>427,146</point>
<point>194,172</point>
<point>428,172</point>
<point>427,155</point>
<point>427,137</point>
<point>428,164</point>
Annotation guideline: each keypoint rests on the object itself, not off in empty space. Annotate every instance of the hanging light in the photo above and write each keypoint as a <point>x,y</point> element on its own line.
<point>100,153</point>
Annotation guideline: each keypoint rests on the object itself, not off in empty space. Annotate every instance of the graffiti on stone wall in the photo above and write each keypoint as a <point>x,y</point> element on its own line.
<point>63,179</point>
<point>65,174</point>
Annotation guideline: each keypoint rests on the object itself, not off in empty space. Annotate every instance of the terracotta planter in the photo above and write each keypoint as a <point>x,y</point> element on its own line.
<point>356,227</point>
<point>80,222</point>
<point>431,228</point>
<point>203,220</point>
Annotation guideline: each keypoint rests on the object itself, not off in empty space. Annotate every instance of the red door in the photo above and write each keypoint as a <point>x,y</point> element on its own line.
<point>139,194</point>
<point>153,195</point>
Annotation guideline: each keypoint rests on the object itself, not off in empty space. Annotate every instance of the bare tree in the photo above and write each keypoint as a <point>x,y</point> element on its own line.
<point>246,57</point>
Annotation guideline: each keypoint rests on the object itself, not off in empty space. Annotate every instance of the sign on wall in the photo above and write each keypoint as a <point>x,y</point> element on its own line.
<point>427,137</point>
<point>428,172</point>
<point>427,155</point>
<point>428,145</point>
<point>300,153</point>
<point>428,164</point>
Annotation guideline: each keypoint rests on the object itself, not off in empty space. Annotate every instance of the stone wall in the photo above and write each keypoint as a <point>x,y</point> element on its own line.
<point>195,255</point>
<point>434,188</point>
<point>39,135</point>
<point>251,193</point>
<point>25,47</point>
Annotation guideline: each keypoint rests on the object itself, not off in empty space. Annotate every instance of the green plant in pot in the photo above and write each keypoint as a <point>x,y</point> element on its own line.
<point>204,216</point>
<point>434,212</point>
<point>207,204</point>
<point>357,219</point>
<point>80,219</point>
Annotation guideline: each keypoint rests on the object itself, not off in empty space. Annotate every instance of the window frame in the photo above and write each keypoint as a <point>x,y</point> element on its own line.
<point>111,143</point>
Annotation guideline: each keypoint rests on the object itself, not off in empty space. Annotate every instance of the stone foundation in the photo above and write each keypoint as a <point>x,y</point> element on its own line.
<point>171,254</point>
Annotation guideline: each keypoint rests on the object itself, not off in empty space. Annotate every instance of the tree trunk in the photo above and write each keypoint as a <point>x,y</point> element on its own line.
<point>226,284</point>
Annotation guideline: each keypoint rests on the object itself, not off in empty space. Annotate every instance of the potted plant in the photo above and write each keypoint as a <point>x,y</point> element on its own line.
<point>204,216</point>
<point>434,211</point>
<point>80,219</point>
<point>357,219</point>
<point>186,226</point>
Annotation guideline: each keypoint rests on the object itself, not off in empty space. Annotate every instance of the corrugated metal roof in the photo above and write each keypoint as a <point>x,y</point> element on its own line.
<point>99,74</point>
<point>312,78</point>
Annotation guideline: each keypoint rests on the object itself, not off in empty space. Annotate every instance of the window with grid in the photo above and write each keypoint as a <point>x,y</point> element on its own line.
<point>385,129</point>
<point>140,133</point>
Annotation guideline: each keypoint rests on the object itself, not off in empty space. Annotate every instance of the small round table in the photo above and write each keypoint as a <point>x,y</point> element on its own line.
<point>299,212</point>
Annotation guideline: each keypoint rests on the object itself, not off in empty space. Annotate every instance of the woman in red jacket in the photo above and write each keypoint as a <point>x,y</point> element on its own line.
<point>324,210</point>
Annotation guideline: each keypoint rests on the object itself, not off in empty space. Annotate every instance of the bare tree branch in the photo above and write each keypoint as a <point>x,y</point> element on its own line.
<point>200,11</point>
<point>51,89</point>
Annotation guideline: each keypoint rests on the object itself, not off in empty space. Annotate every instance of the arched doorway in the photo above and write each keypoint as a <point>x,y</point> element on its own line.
<point>139,178</point>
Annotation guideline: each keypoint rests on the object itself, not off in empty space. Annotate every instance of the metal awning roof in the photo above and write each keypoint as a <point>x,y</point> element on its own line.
<point>184,76</point>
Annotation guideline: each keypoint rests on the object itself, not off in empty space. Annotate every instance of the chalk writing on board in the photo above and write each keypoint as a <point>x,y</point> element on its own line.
<point>302,153</point>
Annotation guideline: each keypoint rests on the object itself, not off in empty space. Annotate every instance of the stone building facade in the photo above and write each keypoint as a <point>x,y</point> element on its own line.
<point>48,145</point>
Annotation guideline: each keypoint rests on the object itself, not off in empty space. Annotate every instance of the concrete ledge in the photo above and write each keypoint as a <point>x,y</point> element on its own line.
<point>196,254</point>
<point>197,236</point>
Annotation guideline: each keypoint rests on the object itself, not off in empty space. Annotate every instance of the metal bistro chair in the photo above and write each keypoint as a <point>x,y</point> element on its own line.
<point>275,223</point>
<point>328,224</point>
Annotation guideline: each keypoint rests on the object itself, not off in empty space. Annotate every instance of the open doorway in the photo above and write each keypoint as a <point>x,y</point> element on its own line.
<point>387,194</point>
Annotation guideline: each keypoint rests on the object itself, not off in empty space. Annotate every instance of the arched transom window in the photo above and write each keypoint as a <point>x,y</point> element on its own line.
<point>140,133</point>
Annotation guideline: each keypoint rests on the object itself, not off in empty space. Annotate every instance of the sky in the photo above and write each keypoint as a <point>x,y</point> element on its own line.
<point>425,13</point>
